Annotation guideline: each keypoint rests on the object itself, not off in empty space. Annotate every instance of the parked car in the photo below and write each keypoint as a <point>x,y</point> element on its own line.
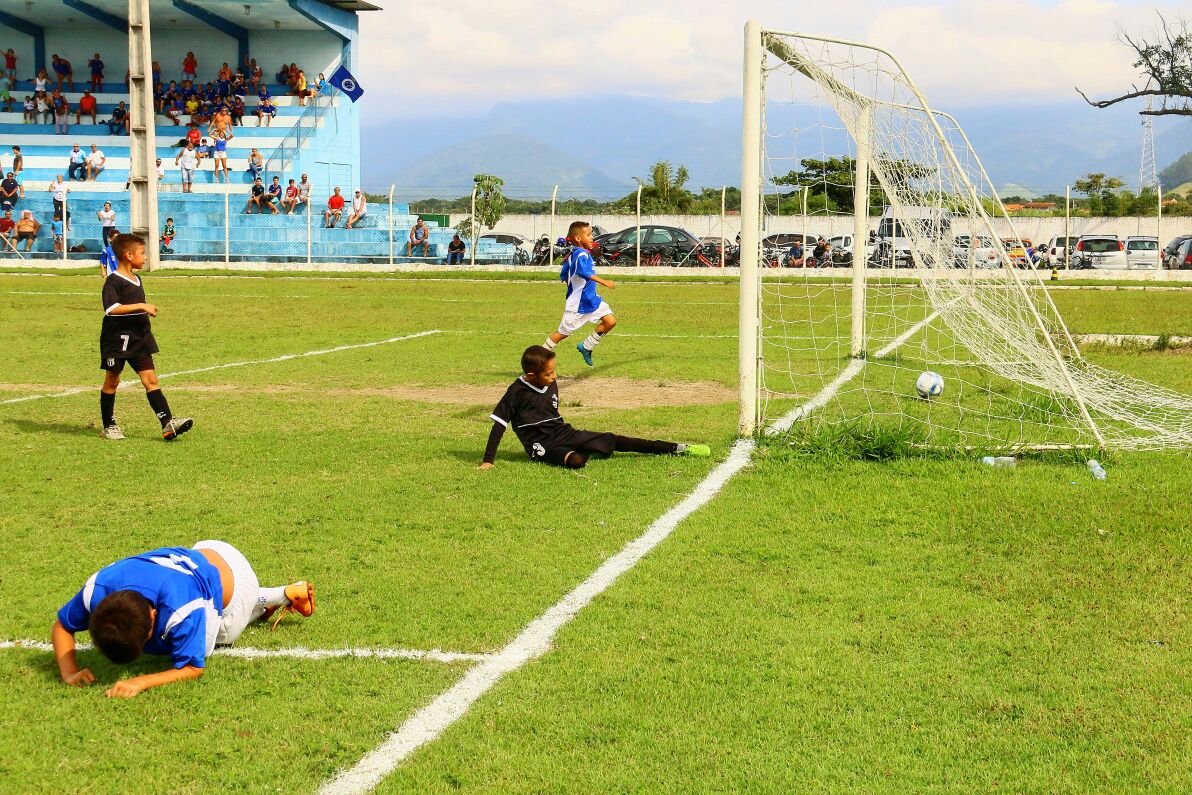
<point>842,249</point>
<point>1021,252</point>
<point>892,247</point>
<point>1142,252</point>
<point>1183,256</point>
<point>1104,252</point>
<point>659,245</point>
<point>522,247</point>
<point>1058,251</point>
<point>1170,251</point>
<point>975,251</point>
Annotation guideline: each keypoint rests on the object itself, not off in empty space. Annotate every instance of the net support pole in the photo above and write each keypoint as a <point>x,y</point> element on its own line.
<point>1158,224</point>
<point>638,233</point>
<point>142,182</point>
<point>475,229</point>
<point>391,187</point>
<point>65,231</point>
<point>723,197</point>
<point>751,163</point>
<point>227,229</point>
<point>860,227</point>
<point>1067,221</point>
<point>554,195</point>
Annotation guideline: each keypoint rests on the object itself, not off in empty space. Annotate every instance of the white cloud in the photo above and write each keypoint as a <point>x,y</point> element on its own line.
<point>477,52</point>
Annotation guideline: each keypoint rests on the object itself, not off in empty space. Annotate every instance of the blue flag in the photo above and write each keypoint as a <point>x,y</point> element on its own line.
<point>343,80</point>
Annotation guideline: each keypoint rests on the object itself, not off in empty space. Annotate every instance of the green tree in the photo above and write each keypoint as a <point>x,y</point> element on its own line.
<point>490,206</point>
<point>1100,192</point>
<point>1164,60</point>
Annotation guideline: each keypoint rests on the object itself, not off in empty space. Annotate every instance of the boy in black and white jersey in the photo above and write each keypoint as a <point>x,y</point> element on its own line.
<point>531,407</point>
<point>126,336</point>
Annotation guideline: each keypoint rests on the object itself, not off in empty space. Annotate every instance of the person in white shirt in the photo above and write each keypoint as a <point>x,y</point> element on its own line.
<point>160,170</point>
<point>95,162</point>
<point>304,189</point>
<point>189,160</point>
<point>59,189</point>
<point>107,220</point>
<point>359,209</point>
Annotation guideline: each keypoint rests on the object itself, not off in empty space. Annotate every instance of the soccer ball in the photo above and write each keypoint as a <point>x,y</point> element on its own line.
<point>929,384</point>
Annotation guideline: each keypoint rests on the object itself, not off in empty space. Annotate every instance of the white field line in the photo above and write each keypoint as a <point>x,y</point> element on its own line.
<point>533,641</point>
<point>298,652</point>
<point>283,358</point>
<point>171,295</point>
<point>784,423</point>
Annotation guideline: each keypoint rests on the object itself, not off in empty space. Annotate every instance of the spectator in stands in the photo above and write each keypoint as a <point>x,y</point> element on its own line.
<point>96,66</point>
<point>304,189</point>
<point>9,192</point>
<point>118,124</point>
<point>219,152</point>
<point>259,198</point>
<point>173,106</point>
<point>204,150</point>
<point>56,231</point>
<point>63,71</point>
<point>188,161</point>
<point>359,209</point>
<point>221,121</point>
<point>167,236</point>
<point>156,69</point>
<point>455,251</point>
<point>335,208</point>
<point>225,73</point>
<point>61,113</point>
<point>190,67</point>
<point>320,85</point>
<point>256,164</point>
<point>41,82</point>
<point>7,233</point>
<point>419,237</point>
<point>30,108</point>
<point>95,162</point>
<point>27,229</point>
<point>87,107</point>
<point>255,75</point>
<point>18,168</point>
<point>266,110</point>
<point>60,189</point>
<point>10,63</point>
<point>160,170</point>
<point>236,111</point>
<point>45,111</point>
<point>77,167</point>
<point>107,220</point>
<point>193,136</point>
<point>300,87</point>
<point>273,194</point>
<point>192,105</point>
<point>283,74</point>
<point>6,94</point>
<point>290,200</point>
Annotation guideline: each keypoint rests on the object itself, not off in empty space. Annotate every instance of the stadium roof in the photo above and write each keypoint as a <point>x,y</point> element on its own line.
<point>257,15</point>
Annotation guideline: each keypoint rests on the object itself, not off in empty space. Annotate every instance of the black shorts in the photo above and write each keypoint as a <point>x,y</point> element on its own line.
<point>569,440</point>
<point>115,364</point>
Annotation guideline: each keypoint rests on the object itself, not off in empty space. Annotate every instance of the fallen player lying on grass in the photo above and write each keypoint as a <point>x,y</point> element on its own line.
<point>174,602</point>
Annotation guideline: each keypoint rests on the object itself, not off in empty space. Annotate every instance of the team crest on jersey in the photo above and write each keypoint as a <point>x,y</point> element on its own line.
<point>111,361</point>
<point>554,401</point>
<point>537,450</point>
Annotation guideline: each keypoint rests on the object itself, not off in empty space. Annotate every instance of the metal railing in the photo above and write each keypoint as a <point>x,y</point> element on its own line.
<point>300,135</point>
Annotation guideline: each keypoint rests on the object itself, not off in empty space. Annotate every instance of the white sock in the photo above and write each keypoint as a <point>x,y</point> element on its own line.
<point>272,597</point>
<point>549,344</point>
<point>592,341</point>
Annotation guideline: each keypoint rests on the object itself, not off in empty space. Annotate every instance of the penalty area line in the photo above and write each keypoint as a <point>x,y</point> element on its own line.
<point>298,652</point>
<point>282,358</point>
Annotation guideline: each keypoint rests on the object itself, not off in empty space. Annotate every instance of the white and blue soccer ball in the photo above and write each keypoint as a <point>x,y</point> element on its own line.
<point>929,385</point>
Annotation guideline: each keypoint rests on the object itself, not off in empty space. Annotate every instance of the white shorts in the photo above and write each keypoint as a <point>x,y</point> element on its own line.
<point>242,606</point>
<point>221,155</point>
<point>574,321</point>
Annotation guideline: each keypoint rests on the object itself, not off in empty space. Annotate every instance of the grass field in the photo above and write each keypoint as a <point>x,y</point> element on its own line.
<point>919,625</point>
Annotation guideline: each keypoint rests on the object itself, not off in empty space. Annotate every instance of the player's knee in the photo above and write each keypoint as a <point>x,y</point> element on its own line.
<point>575,460</point>
<point>608,321</point>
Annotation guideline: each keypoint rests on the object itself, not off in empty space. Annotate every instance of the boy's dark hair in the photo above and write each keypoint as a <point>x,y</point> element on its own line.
<point>575,227</point>
<point>120,626</point>
<point>124,243</point>
<point>535,358</point>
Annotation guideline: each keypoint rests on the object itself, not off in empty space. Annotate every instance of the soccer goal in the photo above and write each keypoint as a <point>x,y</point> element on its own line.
<point>922,276</point>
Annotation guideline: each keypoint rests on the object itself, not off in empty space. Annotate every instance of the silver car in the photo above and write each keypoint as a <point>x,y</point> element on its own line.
<point>1142,253</point>
<point>1103,252</point>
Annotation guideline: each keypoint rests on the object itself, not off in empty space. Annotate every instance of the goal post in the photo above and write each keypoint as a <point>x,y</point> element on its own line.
<point>836,126</point>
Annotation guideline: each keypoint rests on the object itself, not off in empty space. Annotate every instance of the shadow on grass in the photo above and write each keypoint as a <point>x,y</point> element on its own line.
<point>33,426</point>
<point>601,369</point>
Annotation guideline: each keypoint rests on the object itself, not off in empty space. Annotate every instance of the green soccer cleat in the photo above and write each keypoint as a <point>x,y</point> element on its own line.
<point>587,354</point>
<point>697,450</point>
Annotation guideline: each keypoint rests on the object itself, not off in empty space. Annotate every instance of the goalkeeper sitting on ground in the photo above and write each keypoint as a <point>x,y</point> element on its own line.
<point>174,602</point>
<point>531,406</point>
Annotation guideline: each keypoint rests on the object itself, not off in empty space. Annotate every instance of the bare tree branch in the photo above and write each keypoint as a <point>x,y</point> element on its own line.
<point>1166,66</point>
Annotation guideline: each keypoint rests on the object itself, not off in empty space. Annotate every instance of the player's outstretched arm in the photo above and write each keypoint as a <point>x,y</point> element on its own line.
<point>494,441</point>
<point>131,687</point>
<point>64,653</point>
<point>609,283</point>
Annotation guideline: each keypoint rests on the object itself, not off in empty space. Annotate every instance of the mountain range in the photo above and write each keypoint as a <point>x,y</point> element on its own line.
<point>596,146</point>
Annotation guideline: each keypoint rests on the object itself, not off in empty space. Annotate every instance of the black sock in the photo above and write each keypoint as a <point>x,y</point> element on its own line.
<point>157,401</point>
<point>107,408</point>
<point>628,444</point>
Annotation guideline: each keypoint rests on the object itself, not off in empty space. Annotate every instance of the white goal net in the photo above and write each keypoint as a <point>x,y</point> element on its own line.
<point>932,278</point>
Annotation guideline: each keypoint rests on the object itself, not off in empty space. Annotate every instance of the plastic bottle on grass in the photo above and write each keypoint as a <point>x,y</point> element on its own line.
<point>1096,470</point>
<point>1001,461</point>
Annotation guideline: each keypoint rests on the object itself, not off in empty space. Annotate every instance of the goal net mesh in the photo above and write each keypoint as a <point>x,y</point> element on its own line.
<point>945,291</point>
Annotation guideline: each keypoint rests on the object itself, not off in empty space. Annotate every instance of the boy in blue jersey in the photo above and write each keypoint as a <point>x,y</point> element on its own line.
<point>584,305</point>
<point>174,602</point>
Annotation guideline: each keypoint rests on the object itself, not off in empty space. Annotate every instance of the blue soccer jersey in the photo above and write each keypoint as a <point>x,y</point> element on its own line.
<point>107,260</point>
<point>578,270</point>
<point>183,587</point>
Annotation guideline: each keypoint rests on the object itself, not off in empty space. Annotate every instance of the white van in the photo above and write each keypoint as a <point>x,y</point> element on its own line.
<point>893,245</point>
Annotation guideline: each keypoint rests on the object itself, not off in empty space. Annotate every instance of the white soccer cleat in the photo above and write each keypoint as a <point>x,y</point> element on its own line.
<point>112,432</point>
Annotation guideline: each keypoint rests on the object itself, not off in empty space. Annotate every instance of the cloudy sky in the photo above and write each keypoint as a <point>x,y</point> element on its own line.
<point>467,55</point>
